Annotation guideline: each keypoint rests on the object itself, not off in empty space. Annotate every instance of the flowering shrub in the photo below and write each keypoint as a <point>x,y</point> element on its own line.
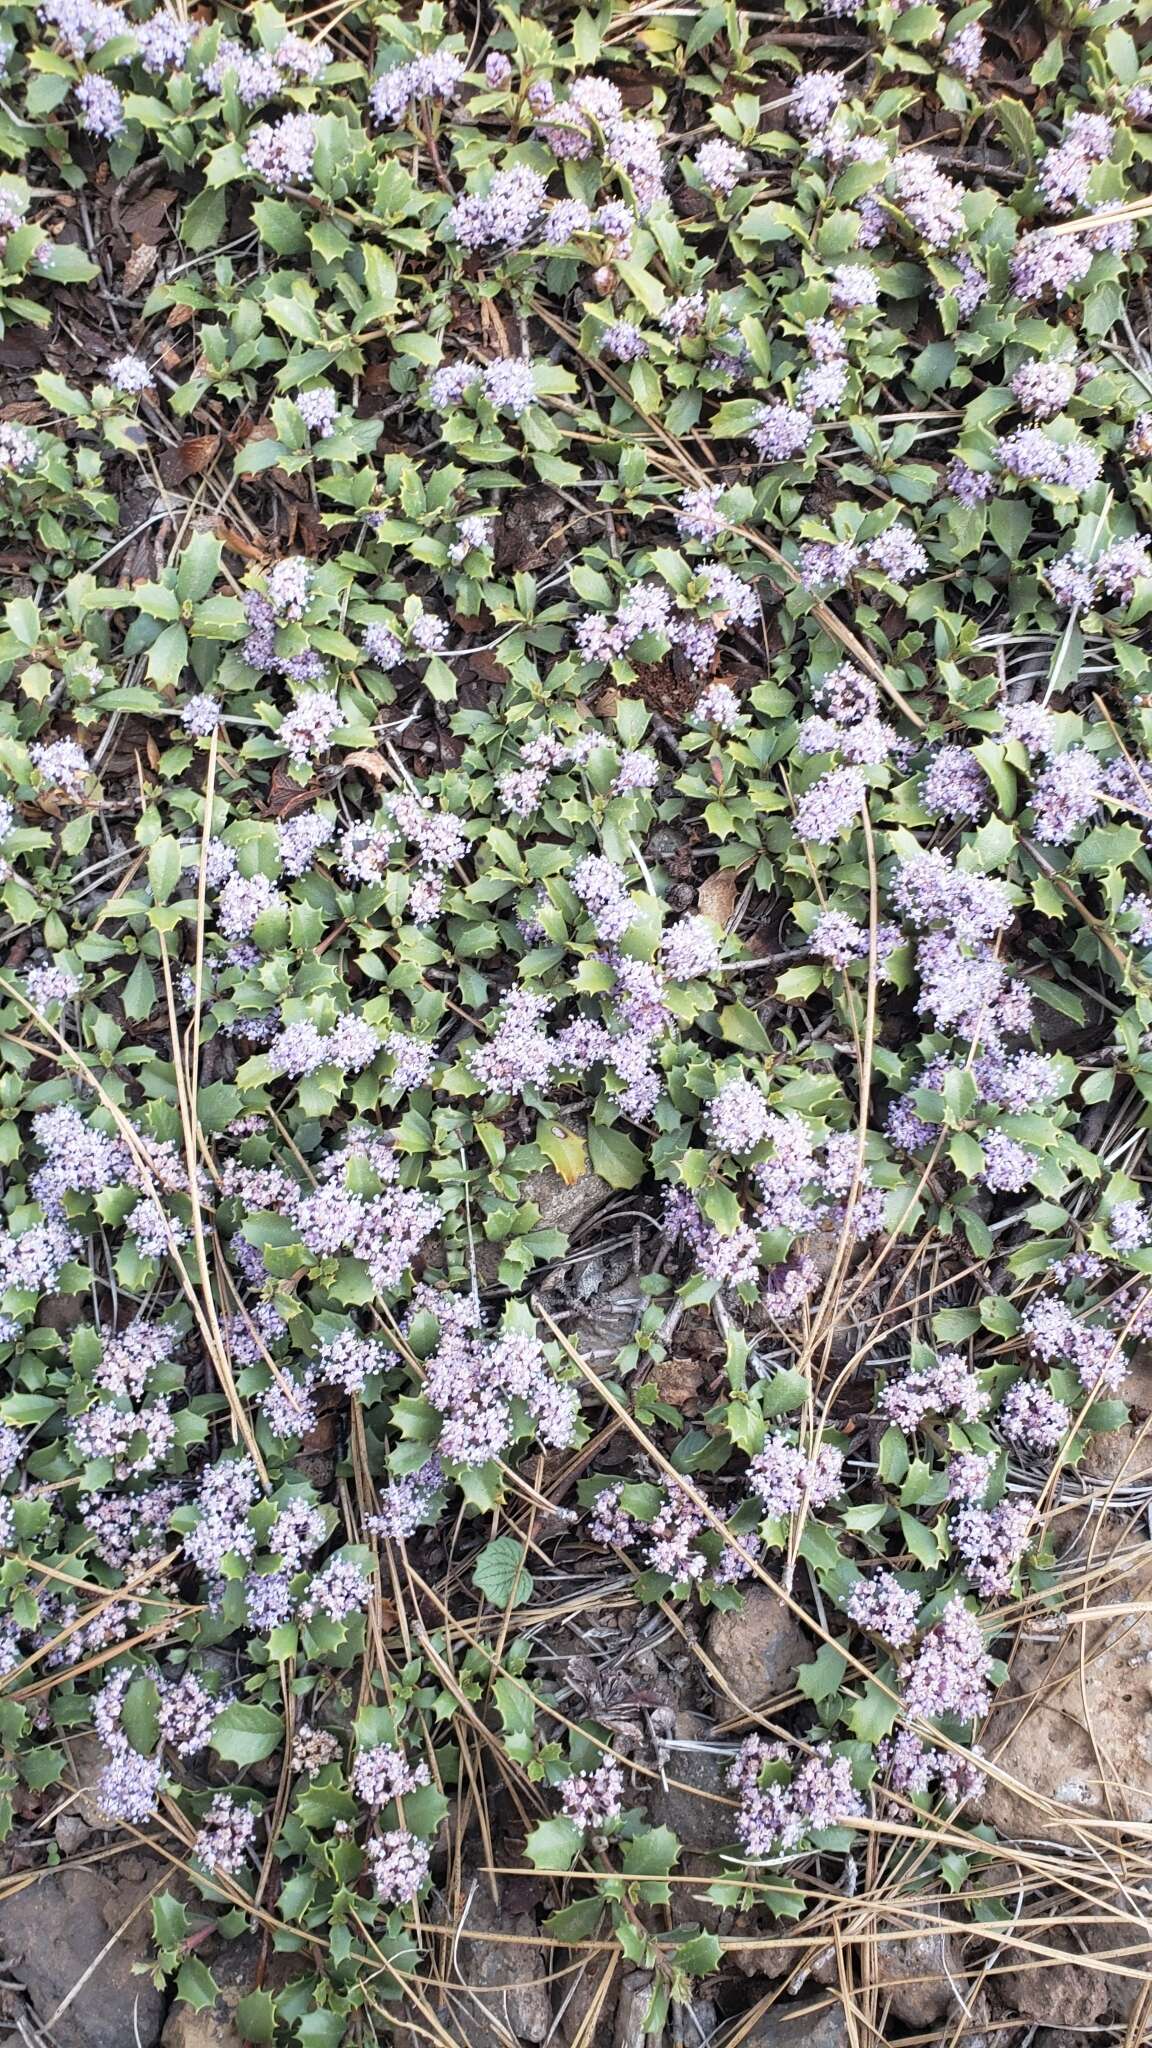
<point>582,625</point>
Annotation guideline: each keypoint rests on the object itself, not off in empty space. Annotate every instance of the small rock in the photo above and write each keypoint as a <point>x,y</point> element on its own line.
<point>1122,1455</point>
<point>1069,1703</point>
<point>564,1206</point>
<point>70,1832</point>
<point>702,1816</point>
<point>679,1380</point>
<point>212,2029</point>
<point>756,1649</point>
<point>509,1976</point>
<point>1038,1991</point>
<point>53,1931</point>
<point>60,1312</point>
<point>589,1995</point>
<point>917,1975</point>
<point>635,1994</point>
<point>788,2027</point>
<point>87,1758</point>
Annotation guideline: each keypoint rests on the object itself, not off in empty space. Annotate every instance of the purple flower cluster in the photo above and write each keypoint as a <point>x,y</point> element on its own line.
<point>1077,583</point>
<point>226,1834</point>
<point>931,202</point>
<point>991,1542</point>
<point>593,118</point>
<point>1029,455</point>
<point>775,1818</point>
<point>508,384</point>
<point>913,1769</point>
<point>945,1387</point>
<point>593,1798</point>
<point>732,1260</point>
<point>281,152</point>
<point>477,1382</point>
<point>441,843</point>
<point>258,75</point>
<point>382,1774</point>
<point>948,1676</point>
<point>1065,171</point>
<point>784,1478</point>
<point>895,553</point>
<point>954,785</point>
<point>1054,1332</point>
<point>883,1607</point>
<point>62,765</point>
<point>435,76</point>
<point>399,1862</point>
<point>503,217</point>
<point>340,1589</point>
<point>1031,1417</point>
<point>720,166</point>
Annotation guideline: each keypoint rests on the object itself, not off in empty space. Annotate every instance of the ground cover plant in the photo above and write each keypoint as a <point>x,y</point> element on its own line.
<point>576,997</point>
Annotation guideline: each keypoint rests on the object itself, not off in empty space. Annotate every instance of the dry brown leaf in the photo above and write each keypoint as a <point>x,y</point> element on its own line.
<point>239,546</point>
<point>373,764</point>
<point>717,896</point>
<point>139,267</point>
<point>285,796</point>
<point>190,457</point>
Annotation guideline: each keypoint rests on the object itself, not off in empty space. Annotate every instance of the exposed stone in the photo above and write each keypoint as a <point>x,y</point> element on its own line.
<point>1122,1939</point>
<point>918,1975</point>
<point>1041,1991</point>
<point>509,1977</point>
<point>756,1649</point>
<point>1062,1719</point>
<point>589,1994</point>
<point>86,1759</point>
<point>563,1205</point>
<point>70,1832</point>
<point>792,2026</point>
<point>213,2029</point>
<point>52,1932</point>
<point>236,1968</point>
<point>703,1816</point>
<point>635,1994</point>
<point>679,1380</point>
<point>1122,1455</point>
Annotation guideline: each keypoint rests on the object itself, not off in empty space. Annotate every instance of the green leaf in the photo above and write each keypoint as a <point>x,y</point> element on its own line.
<point>139,996</point>
<point>742,1027</point>
<point>255,2017</point>
<point>203,221</point>
<point>246,1734</point>
<point>564,1149</point>
<point>614,1157</point>
<point>1019,130</point>
<point>499,1573</point>
<point>824,1675</point>
<point>873,1716</point>
<point>699,1956</point>
<point>168,657</point>
<point>165,865</point>
<point>195,1985</point>
<point>138,1716</point>
<point>554,1844</point>
<point>199,567</point>
<point>577,1922</point>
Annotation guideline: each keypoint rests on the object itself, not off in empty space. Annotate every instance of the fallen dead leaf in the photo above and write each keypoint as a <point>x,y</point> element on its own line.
<point>285,796</point>
<point>373,764</point>
<point>717,896</point>
<point>139,267</point>
<point>239,546</point>
<point>191,457</point>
